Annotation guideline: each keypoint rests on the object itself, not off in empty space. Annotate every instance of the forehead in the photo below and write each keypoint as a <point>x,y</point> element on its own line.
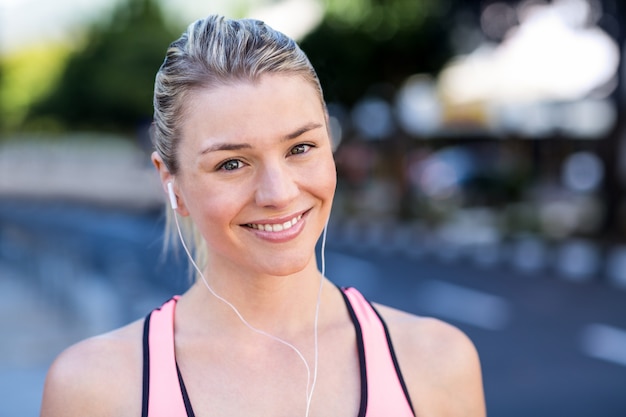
<point>271,106</point>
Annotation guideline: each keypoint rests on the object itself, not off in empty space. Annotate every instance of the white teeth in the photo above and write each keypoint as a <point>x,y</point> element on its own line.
<point>276,227</point>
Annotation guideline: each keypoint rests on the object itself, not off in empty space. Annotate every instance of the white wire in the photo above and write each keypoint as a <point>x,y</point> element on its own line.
<point>310,385</point>
<point>317,309</point>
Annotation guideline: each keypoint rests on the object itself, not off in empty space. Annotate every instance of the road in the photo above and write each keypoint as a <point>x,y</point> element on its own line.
<point>549,346</point>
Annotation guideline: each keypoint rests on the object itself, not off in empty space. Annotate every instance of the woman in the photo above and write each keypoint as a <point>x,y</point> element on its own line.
<point>244,153</point>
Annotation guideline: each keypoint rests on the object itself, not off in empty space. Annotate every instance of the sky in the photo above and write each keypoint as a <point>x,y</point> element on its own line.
<point>28,22</point>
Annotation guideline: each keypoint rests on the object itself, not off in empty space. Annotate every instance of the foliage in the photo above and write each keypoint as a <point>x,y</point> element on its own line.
<point>382,18</point>
<point>27,76</point>
<point>362,43</point>
<point>108,84</point>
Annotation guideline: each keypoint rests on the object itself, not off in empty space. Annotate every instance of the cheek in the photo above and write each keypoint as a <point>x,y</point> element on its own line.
<point>326,177</point>
<point>212,207</point>
<point>331,183</point>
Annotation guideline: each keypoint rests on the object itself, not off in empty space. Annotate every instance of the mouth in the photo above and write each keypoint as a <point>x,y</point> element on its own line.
<point>275,227</point>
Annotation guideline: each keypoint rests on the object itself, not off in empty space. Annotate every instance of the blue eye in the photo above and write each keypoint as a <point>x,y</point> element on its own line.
<point>231,165</point>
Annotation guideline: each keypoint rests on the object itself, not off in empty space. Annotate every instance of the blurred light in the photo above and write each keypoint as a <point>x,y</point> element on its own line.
<point>32,22</point>
<point>373,119</point>
<point>559,219</point>
<point>550,56</point>
<point>439,179</point>
<point>336,132</point>
<point>583,172</point>
<point>529,254</point>
<point>575,13</point>
<point>471,227</point>
<point>418,107</point>
<point>497,19</point>
<point>336,121</point>
<point>591,212</point>
<point>527,6</point>
<point>605,342</point>
<point>588,118</point>
<point>465,79</point>
<point>295,18</point>
<point>464,304</point>
<point>578,260</point>
<point>530,119</point>
<point>441,174</point>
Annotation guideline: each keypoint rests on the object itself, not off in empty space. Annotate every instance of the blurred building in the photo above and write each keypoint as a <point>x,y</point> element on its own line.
<point>526,113</point>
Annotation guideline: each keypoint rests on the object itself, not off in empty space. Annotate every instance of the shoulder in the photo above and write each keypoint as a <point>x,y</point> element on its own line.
<point>99,376</point>
<point>439,362</point>
<point>432,339</point>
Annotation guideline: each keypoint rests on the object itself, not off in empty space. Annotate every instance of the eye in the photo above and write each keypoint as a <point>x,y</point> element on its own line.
<point>231,165</point>
<point>299,149</point>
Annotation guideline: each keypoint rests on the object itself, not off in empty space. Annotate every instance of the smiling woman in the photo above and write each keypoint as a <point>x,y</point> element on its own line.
<point>244,153</point>
<point>263,150</point>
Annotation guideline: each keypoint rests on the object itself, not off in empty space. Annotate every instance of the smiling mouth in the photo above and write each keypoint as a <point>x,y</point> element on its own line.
<point>276,227</point>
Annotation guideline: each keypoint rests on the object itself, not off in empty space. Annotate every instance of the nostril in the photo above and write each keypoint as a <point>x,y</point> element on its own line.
<point>276,188</point>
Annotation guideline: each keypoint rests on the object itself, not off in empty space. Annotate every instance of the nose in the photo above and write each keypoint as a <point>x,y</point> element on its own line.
<point>276,186</point>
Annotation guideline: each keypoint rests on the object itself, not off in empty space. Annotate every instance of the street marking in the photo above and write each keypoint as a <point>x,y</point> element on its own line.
<point>604,342</point>
<point>464,304</point>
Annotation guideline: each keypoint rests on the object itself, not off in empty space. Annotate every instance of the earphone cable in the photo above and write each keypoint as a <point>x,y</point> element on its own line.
<point>310,384</point>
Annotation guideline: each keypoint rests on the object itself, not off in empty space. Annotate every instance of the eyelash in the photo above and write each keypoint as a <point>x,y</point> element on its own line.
<point>292,152</point>
<point>222,166</point>
<point>300,145</point>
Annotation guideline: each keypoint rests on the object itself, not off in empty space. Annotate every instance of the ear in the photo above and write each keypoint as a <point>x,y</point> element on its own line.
<point>166,177</point>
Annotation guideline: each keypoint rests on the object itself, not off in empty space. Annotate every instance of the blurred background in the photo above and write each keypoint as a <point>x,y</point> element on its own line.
<point>481,154</point>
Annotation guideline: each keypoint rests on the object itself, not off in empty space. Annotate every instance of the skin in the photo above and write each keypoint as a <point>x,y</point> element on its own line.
<point>259,153</point>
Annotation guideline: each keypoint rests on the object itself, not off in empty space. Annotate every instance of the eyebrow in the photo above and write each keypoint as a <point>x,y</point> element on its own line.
<point>238,146</point>
<point>302,130</point>
<point>225,147</point>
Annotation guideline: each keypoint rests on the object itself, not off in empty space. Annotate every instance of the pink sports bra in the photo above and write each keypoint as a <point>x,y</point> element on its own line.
<point>383,391</point>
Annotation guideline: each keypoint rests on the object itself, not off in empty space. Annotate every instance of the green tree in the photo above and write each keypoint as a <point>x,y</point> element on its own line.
<point>362,43</point>
<point>3,105</point>
<point>108,84</point>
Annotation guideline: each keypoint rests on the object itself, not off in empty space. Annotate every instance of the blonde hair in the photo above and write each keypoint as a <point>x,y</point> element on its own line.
<point>214,52</point>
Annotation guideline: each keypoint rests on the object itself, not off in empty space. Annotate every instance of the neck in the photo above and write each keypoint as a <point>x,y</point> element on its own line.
<point>283,309</point>
<point>277,305</point>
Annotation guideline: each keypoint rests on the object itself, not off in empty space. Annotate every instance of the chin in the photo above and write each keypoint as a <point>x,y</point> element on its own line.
<point>287,267</point>
<point>284,271</point>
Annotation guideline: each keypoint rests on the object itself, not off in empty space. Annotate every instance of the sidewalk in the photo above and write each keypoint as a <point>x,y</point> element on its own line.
<point>35,330</point>
<point>33,333</point>
<point>108,171</point>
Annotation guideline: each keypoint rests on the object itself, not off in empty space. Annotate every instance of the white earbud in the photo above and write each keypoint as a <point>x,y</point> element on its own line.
<point>170,192</point>
<point>311,377</point>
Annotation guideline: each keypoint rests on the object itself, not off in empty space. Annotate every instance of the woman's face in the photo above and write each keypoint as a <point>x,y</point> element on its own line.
<point>257,173</point>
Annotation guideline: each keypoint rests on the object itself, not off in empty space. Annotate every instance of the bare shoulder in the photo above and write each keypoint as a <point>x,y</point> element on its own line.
<point>439,362</point>
<point>98,376</point>
<point>428,338</point>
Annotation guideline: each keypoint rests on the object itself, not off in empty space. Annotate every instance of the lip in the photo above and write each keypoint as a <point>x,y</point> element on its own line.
<point>282,229</point>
